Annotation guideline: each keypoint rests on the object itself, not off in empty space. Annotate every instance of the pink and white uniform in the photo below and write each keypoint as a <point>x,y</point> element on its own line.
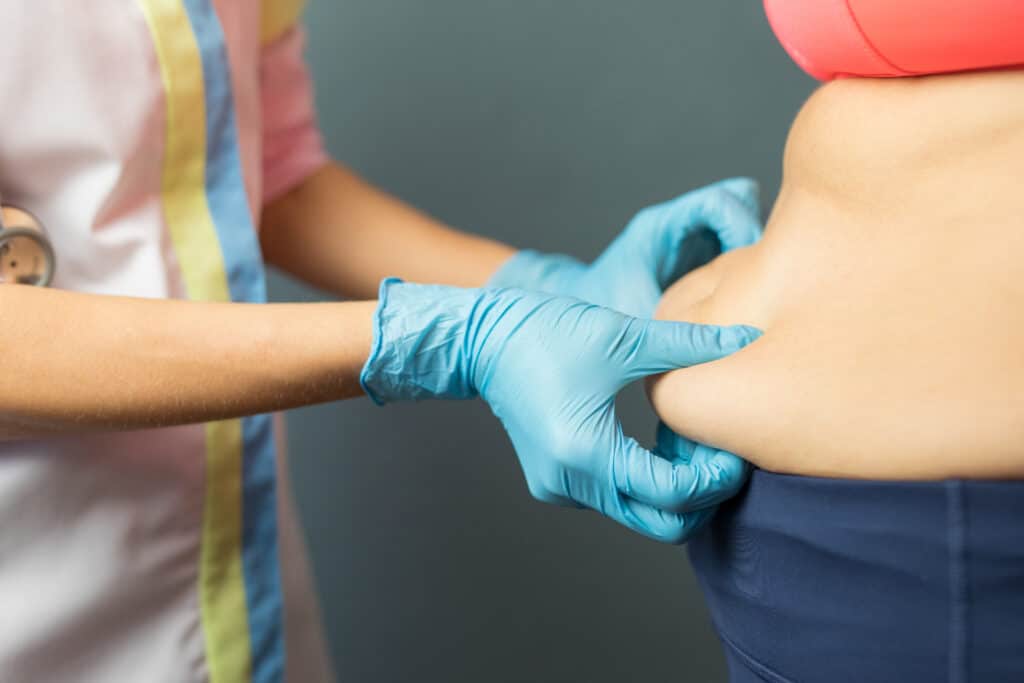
<point>147,135</point>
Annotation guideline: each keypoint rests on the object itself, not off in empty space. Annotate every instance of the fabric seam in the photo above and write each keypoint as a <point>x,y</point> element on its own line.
<point>870,44</point>
<point>763,671</point>
<point>958,605</point>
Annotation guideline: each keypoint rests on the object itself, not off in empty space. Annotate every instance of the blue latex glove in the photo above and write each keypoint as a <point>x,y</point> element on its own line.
<point>550,367</point>
<point>648,256</point>
<point>728,471</point>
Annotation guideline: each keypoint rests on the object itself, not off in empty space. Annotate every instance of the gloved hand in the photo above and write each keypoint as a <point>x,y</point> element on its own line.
<point>550,367</point>
<point>724,473</point>
<point>647,257</point>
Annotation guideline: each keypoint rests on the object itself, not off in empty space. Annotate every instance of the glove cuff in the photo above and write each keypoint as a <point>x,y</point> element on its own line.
<point>418,349</point>
<point>368,379</point>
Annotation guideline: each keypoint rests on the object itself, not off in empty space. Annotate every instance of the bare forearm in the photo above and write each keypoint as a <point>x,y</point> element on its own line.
<point>79,362</point>
<point>341,234</point>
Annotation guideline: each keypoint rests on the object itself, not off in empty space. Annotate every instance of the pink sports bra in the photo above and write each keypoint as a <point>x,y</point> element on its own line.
<point>887,38</point>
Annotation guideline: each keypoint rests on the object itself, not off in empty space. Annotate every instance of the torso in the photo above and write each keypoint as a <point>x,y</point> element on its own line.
<point>888,287</point>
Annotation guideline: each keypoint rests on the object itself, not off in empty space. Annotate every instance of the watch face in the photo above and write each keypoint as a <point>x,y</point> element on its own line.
<point>23,260</point>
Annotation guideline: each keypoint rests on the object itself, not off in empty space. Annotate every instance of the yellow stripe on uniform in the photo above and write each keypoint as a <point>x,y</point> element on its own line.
<point>195,241</point>
<point>278,17</point>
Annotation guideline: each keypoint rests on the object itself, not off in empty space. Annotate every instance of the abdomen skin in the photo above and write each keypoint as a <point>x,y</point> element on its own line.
<point>888,287</point>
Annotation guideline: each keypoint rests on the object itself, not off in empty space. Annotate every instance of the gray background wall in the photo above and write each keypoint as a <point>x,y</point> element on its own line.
<point>546,124</point>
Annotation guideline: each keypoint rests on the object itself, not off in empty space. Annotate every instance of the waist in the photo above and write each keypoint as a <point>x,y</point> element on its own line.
<point>888,288</point>
<point>826,579</point>
<point>897,183</point>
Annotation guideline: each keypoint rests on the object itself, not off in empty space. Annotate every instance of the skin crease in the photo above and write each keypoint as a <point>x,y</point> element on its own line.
<point>888,287</point>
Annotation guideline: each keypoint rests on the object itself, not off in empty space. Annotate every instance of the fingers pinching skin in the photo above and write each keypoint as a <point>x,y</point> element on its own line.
<point>549,368</point>
<point>667,345</point>
<point>650,254</point>
<point>672,446</point>
<point>734,223</point>
<point>710,477</point>
<point>729,209</point>
<point>733,213</point>
<point>662,526</point>
<point>680,450</point>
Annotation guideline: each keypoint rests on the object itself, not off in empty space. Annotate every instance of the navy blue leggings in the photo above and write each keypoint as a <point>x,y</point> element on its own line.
<point>835,580</point>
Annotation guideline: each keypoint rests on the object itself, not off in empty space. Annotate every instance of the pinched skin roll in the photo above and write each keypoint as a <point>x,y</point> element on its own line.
<point>888,287</point>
